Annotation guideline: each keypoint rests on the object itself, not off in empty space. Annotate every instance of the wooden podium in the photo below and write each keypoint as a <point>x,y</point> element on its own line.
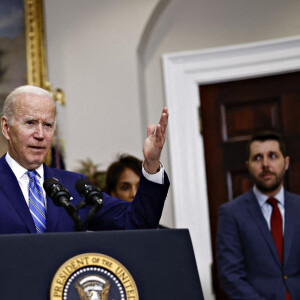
<point>160,262</point>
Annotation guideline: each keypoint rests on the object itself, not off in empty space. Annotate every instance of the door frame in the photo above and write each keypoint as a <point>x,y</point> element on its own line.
<point>183,73</point>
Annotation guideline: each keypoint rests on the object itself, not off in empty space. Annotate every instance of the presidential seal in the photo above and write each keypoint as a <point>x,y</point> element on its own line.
<point>93,276</point>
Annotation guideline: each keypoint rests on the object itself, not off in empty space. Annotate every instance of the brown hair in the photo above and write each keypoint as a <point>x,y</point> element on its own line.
<point>116,168</point>
<point>267,135</point>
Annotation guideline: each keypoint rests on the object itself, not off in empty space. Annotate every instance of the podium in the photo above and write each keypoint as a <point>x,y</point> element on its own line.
<point>160,262</point>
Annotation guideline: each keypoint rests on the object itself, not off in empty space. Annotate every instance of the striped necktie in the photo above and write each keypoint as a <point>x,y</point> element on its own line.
<point>37,205</point>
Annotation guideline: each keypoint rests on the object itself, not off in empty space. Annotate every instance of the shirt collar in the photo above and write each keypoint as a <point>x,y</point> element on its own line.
<point>19,171</point>
<point>262,198</point>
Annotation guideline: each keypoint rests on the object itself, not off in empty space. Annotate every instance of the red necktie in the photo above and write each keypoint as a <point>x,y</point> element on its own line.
<point>276,227</point>
<point>276,230</point>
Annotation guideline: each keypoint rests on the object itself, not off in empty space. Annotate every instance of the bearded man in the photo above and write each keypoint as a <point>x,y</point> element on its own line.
<point>258,244</point>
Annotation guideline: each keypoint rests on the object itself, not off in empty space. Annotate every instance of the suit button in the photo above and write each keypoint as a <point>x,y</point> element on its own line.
<point>285,277</point>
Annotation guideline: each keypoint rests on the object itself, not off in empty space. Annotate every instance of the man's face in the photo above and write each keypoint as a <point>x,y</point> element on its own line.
<point>127,185</point>
<point>267,166</point>
<point>30,136</point>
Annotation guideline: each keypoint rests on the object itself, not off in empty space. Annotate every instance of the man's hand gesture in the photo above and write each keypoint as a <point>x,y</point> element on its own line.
<point>154,143</point>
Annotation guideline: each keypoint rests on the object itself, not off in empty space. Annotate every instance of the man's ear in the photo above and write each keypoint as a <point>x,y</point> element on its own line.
<point>247,164</point>
<point>5,127</point>
<point>287,162</point>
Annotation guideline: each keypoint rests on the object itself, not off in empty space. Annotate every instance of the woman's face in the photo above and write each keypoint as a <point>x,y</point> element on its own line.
<point>127,186</point>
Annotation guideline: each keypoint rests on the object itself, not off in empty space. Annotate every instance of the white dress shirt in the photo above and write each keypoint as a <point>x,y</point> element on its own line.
<point>23,178</point>
<point>157,177</point>
<point>266,208</point>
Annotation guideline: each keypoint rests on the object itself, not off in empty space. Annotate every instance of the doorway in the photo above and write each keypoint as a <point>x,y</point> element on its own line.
<point>231,113</point>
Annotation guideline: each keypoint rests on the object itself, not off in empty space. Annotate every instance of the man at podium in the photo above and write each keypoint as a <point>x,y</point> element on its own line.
<point>28,125</point>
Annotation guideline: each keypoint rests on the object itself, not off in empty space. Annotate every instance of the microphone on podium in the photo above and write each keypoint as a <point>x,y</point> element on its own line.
<point>93,197</point>
<point>61,197</point>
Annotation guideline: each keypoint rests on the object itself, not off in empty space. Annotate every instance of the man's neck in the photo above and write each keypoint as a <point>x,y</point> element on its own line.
<point>18,170</point>
<point>271,193</point>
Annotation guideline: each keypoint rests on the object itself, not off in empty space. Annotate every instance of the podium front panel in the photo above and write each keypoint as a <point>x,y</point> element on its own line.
<point>161,262</point>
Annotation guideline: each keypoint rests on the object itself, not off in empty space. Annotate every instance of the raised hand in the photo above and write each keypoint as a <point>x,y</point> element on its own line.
<point>154,142</point>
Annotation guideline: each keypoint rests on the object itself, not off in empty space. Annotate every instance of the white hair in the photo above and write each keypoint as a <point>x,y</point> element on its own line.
<point>9,103</point>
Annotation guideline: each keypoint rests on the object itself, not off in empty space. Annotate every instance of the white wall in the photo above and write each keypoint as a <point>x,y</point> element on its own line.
<point>91,49</point>
<point>92,56</point>
<point>113,90</point>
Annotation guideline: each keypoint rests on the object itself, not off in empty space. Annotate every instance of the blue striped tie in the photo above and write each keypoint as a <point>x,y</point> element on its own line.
<point>36,202</point>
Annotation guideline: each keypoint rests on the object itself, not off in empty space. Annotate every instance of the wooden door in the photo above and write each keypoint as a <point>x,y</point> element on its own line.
<point>231,113</point>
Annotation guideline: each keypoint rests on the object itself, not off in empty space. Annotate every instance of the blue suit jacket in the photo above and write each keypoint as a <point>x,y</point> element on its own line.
<point>144,212</point>
<point>248,262</point>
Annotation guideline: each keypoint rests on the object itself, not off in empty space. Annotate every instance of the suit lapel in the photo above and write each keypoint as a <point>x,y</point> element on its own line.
<point>53,212</point>
<point>290,217</point>
<point>257,215</point>
<point>11,189</point>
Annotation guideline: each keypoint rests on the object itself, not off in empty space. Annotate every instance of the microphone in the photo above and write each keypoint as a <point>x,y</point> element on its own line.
<point>93,197</point>
<point>61,197</point>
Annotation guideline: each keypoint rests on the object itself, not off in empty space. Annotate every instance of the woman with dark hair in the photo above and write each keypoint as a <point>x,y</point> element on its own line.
<point>123,177</point>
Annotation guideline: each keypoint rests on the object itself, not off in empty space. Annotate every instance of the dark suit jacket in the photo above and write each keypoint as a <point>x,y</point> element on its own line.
<point>248,262</point>
<point>144,212</point>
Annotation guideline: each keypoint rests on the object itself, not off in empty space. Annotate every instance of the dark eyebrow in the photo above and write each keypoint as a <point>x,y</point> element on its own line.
<point>124,182</point>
